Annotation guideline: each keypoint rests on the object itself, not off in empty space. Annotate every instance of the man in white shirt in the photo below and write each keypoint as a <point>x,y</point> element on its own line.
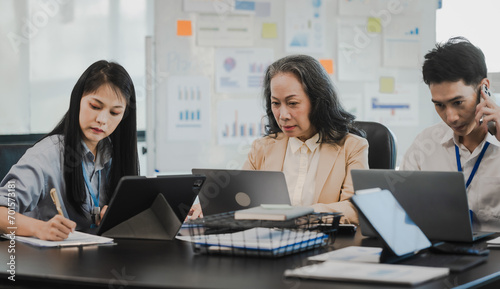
<point>457,78</point>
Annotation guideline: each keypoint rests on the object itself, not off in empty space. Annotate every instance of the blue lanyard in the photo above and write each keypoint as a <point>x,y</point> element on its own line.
<point>476,165</point>
<point>95,198</point>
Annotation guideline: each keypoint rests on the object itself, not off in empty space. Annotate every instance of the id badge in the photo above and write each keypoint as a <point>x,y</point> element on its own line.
<point>96,215</point>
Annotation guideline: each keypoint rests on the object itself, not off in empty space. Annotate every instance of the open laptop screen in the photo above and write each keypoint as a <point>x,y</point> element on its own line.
<point>391,221</point>
<point>231,190</point>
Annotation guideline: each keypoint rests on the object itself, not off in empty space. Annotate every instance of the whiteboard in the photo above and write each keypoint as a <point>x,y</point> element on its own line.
<point>176,56</point>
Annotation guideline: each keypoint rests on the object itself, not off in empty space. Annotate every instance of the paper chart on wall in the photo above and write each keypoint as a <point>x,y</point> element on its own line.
<point>353,103</point>
<point>402,42</point>
<point>208,6</point>
<point>397,8</point>
<point>188,108</point>
<point>221,7</point>
<point>379,8</point>
<point>241,70</point>
<point>225,30</point>
<point>239,121</point>
<point>358,51</point>
<point>357,7</point>
<point>305,26</point>
<point>396,109</point>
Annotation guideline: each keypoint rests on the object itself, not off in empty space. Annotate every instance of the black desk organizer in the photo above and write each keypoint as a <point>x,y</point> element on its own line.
<point>222,234</point>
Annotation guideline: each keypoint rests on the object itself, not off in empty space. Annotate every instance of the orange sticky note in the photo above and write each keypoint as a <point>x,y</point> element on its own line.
<point>327,64</point>
<point>184,28</point>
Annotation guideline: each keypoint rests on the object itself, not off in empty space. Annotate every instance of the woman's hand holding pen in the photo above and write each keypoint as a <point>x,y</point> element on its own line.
<point>55,229</point>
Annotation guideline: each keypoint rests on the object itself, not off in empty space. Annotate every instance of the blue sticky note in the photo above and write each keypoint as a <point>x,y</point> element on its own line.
<point>244,5</point>
<point>262,9</point>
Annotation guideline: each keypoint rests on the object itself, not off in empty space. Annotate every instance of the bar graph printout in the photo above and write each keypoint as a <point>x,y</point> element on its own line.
<point>188,108</point>
<point>399,108</point>
<point>402,43</point>
<point>239,121</point>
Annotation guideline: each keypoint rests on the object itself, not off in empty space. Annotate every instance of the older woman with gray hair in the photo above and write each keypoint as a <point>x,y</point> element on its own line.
<point>310,137</point>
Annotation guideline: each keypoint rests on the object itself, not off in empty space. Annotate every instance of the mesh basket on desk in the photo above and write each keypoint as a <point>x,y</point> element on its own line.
<point>222,234</point>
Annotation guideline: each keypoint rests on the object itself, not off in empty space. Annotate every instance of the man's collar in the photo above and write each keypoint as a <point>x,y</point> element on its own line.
<point>450,136</point>
<point>492,139</point>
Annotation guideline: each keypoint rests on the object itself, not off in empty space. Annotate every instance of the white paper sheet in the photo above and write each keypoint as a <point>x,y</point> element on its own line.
<point>359,54</point>
<point>396,109</point>
<point>368,272</point>
<point>351,254</point>
<point>74,239</point>
<point>239,121</point>
<point>222,30</point>
<point>353,103</point>
<point>241,70</point>
<point>402,42</point>
<point>305,26</point>
<point>357,7</point>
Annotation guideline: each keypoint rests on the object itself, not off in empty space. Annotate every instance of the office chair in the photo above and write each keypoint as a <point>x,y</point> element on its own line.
<point>382,151</point>
<point>10,155</point>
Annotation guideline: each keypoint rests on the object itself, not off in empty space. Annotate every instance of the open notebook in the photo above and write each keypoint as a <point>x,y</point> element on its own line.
<point>74,239</point>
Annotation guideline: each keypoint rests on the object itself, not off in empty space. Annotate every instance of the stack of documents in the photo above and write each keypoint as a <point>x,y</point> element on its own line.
<point>261,239</point>
<point>368,272</point>
<point>74,239</point>
<point>272,213</point>
<point>352,254</point>
<point>493,243</point>
<point>361,264</point>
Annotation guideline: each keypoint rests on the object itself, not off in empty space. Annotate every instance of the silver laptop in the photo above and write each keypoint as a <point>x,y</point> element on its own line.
<point>231,190</point>
<point>436,201</point>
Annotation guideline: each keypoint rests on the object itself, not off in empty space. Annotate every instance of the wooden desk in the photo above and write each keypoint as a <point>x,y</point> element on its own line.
<point>172,264</point>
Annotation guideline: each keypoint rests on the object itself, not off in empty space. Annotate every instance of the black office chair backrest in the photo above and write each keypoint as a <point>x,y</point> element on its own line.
<point>10,155</point>
<point>382,151</point>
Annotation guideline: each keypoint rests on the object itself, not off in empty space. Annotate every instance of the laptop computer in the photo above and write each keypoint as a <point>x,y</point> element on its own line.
<point>404,242</point>
<point>150,208</point>
<point>231,190</point>
<point>436,201</point>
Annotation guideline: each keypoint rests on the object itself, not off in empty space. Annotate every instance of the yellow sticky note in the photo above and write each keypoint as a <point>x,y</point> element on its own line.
<point>327,64</point>
<point>387,84</point>
<point>184,28</point>
<point>374,25</point>
<point>269,30</point>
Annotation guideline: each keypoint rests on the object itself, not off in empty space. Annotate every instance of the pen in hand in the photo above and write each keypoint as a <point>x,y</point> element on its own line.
<point>58,228</point>
<point>55,199</point>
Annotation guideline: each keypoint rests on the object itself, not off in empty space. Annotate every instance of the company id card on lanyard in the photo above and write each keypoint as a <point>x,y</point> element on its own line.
<point>95,211</point>
<point>474,169</point>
